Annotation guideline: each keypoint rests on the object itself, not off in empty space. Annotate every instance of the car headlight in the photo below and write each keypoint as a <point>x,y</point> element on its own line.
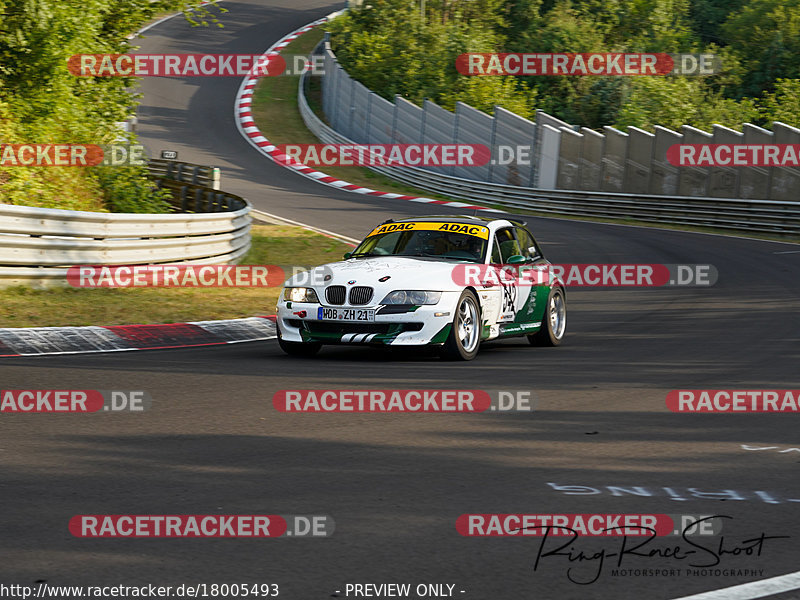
<point>300,294</point>
<point>417,297</point>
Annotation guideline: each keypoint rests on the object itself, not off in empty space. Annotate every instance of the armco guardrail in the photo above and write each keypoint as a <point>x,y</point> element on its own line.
<point>191,198</point>
<point>38,244</point>
<point>194,188</point>
<point>780,217</point>
<point>186,172</point>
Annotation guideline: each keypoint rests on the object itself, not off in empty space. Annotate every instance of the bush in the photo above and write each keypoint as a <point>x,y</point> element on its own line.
<point>41,102</point>
<point>127,189</point>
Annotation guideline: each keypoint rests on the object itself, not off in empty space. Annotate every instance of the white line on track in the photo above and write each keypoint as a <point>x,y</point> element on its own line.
<point>161,20</point>
<point>269,217</point>
<point>752,590</point>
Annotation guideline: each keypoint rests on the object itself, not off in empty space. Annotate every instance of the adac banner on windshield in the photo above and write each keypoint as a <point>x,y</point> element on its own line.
<point>466,228</point>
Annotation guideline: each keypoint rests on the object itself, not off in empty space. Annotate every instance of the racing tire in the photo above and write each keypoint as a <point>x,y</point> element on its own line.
<point>465,335</point>
<point>298,348</point>
<point>554,321</point>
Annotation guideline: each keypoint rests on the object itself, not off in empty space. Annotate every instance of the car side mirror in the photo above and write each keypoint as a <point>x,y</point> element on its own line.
<point>347,255</point>
<point>516,259</point>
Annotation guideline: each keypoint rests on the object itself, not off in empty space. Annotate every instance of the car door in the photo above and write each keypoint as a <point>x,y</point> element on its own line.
<point>506,246</point>
<point>509,308</point>
<point>531,297</point>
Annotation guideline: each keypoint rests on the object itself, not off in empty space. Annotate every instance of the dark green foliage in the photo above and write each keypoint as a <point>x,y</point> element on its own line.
<point>42,102</point>
<point>757,40</point>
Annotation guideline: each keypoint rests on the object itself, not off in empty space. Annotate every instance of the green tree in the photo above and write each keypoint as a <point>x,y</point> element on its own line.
<point>519,16</point>
<point>418,61</point>
<point>44,103</point>
<point>783,104</point>
<point>563,29</point>
<point>707,17</point>
<point>675,101</point>
<point>757,41</point>
<point>766,36</point>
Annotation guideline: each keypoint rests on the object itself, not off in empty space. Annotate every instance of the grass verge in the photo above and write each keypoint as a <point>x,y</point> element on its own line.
<point>22,306</point>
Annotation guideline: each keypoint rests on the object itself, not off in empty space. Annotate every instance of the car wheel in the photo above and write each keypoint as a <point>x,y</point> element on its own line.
<point>297,348</point>
<point>554,321</point>
<point>465,335</point>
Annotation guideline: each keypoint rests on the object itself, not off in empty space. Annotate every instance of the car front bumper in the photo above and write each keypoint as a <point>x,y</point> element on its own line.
<point>397,325</point>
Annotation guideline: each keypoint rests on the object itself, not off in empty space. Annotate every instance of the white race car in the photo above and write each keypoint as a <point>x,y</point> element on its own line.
<point>426,281</point>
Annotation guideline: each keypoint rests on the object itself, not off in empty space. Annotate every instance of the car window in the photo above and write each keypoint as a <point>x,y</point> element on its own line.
<point>496,256</point>
<point>509,246</point>
<point>428,243</point>
<point>527,244</point>
<point>390,243</point>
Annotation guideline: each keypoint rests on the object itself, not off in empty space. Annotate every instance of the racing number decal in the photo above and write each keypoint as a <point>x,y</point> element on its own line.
<point>510,294</point>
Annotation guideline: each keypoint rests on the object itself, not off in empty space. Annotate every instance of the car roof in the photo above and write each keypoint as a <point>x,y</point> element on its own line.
<point>465,219</point>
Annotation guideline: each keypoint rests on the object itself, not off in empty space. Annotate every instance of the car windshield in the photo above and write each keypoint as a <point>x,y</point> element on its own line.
<point>424,243</point>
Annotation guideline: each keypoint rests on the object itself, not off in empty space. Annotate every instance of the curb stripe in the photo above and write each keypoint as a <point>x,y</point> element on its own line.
<point>249,130</point>
<point>35,341</point>
<point>159,336</point>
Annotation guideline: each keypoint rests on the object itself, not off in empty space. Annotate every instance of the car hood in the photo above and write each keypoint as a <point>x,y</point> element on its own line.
<point>404,273</point>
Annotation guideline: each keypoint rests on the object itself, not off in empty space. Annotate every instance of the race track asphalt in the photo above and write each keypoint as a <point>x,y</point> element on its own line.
<point>395,484</point>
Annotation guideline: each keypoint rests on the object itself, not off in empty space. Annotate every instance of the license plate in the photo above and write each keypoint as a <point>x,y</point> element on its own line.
<point>345,314</point>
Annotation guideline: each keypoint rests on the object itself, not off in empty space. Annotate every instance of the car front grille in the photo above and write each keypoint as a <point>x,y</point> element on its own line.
<point>335,294</point>
<point>347,327</point>
<point>360,295</point>
<point>333,327</point>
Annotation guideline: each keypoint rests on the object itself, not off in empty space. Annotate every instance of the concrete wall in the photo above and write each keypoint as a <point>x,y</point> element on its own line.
<point>555,155</point>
